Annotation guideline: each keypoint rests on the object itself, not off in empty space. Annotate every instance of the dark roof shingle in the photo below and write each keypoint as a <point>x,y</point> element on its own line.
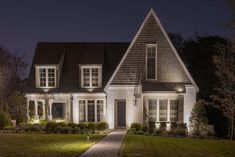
<point>108,54</point>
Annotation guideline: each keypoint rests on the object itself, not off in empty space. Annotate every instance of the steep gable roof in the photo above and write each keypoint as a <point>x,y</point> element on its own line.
<point>122,74</point>
<point>108,54</point>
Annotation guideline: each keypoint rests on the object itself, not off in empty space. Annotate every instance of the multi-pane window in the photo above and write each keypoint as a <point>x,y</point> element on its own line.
<point>82,110</point>
<point>42,75</point>
<point>151,62</point>
<point>173,110</point>
<point>100,110</point>
<point>94,77</point>
<point>162,110</point>
<point>51,77</point>
<point>91,110</point>
<point>90,76</point>
<point>47,77</point>
<point>152,110</point>
<point>86,77</point>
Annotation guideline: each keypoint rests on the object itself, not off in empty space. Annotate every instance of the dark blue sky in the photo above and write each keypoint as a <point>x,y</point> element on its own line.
<point>24,23</point>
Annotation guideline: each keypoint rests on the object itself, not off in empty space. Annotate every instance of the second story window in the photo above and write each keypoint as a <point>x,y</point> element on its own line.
<point>46,77</point>
<point>91,76</point>
<point>151,55</point>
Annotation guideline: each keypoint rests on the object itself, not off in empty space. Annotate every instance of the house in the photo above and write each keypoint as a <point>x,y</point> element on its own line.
<point>119,83</point>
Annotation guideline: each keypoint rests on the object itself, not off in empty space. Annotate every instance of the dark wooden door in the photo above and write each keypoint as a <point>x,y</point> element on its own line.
<point>121,114</point>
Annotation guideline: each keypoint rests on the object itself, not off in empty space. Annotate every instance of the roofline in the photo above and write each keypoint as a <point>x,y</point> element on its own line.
<point>151,12</point>
<point>92,42</point>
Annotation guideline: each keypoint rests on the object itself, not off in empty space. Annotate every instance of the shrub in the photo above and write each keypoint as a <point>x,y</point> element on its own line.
<point>198,119</point>
<point>43,122</point>
<point>76,130</point>
<point>27,127</point>
<point>162,126</point>
<point>9,128</point>
<point>63,129</point>
<point>145,128</point>
<point>60,124</point>
<point>137,126</point>
<point>73,125</point>
<point>101,126</point>
<point>82,126</point>
<point>5,120</point>
<point>181,129</point>
<point>91,127</point>
<point>50,126</point>
<point>173,125</point>
<point>152,127</point>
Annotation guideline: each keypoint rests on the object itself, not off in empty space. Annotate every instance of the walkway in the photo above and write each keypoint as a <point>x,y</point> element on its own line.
<point>107,147</point>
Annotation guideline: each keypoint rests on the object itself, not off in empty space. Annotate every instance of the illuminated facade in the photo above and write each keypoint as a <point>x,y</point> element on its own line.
<point>120,83</point>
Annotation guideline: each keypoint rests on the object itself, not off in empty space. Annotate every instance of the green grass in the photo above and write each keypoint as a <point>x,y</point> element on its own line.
<point>154,146</point>
<point>44,145</point>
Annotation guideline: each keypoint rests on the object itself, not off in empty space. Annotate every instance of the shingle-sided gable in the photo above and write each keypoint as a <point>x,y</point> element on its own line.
<point>170,67</point>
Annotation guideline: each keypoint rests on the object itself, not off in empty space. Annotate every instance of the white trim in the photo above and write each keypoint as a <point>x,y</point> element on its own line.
<point>37,74</point>
<point>90,67</point>
<point>86,109</point>
<point>168,40</point>
<point>146,61</point>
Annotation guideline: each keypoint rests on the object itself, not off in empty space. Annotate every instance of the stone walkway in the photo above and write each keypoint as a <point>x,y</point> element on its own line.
<point>107,147</point>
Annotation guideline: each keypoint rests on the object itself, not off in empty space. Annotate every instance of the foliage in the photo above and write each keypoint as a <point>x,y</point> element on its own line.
<point>63,129</point>
<point>145,128</point>
<point>12,68</point>
<point>28,127</point>
<point>198,119</point>
<point>5,120</point>
<point>82,126</point>
<point>91,127</point>
<point>136,126</point>
<point>101,126</point>
<point>225,97</point>
<point>17,106</point>
<point>50,126</point>
<point>152,127</point>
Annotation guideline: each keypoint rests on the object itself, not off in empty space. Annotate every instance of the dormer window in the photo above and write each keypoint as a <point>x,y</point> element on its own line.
<point>151,61</point>
<point>91,76</point>
<point>45,77</point>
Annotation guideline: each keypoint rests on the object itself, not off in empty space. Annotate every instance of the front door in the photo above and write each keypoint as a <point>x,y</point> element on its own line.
<point>120,113</point>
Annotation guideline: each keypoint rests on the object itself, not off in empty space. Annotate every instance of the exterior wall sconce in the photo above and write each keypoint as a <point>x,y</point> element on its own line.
<point>179,89</point>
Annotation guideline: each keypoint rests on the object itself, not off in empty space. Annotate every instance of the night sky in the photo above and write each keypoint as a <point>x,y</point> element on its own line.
<point>24,23</point>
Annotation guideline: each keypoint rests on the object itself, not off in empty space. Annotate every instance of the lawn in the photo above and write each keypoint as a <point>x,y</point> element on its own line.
<point>45,145</point>
<point>154,146</point>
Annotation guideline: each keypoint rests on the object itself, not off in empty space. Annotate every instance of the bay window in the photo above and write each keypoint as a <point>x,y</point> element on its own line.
<point>162,110</point>
<point>174,110</point>
<point>152,110</point>
<point>82,111</point>
<point>91,110</point>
